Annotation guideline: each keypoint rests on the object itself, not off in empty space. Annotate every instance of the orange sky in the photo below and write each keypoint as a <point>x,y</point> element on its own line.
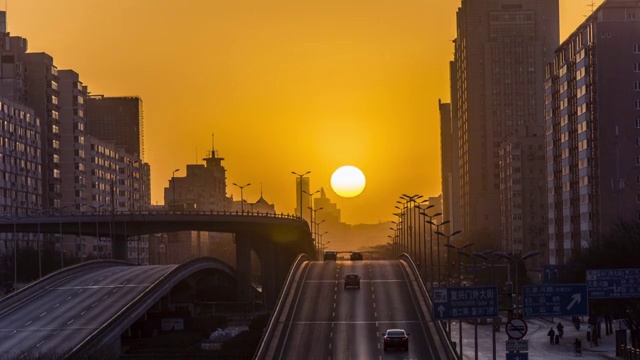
<point>285,85</point>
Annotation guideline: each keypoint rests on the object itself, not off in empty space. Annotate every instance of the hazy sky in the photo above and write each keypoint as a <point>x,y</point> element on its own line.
<point>285,85</point>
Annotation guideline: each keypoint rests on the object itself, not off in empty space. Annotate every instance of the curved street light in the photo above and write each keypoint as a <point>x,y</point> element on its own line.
<point>460,252</point>
<point>517,260</point>
<point>242,195</point>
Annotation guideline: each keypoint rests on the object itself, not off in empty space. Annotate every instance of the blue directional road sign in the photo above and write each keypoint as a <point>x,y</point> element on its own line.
<point>518,356</point>
<point>470,302</point>
<point>613,283</point>
<point>555,300</point>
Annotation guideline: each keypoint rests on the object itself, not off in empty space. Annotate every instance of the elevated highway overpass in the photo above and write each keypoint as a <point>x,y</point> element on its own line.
<point>275,238</point>
<point>84,309</point>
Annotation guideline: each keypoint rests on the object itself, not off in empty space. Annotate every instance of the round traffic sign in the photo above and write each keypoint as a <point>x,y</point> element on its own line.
<point>516,328</point>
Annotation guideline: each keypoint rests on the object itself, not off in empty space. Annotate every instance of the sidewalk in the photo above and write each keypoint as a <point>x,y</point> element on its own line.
<point>539,346</point>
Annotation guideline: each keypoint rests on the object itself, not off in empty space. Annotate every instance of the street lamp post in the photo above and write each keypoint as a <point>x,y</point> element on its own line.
<point>448,246</point>
<point>314,217</point>
<point>173,186</point>
<point>242,195</point>
<point>411,200</point>
<point>517,260</point>
<point>483,255</point>
<point>300,176</point>
<point>460,252</point>
<point>430,222</point>
<point>311,202</point>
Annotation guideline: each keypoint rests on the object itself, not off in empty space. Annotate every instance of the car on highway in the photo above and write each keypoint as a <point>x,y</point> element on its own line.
<point>356,255</point>
<point>352,280</point>
<point>330,255</point>
<point>396,339</point>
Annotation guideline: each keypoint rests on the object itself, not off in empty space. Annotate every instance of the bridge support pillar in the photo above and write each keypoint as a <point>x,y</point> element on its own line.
<point>269,292</point>
<point>119,249</point>
<point>243,268</point>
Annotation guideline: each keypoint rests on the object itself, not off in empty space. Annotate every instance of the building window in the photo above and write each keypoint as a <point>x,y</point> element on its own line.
<point>636,48</point>
<point>638,198</point>
<point>636,67</point>
<point>638,123</point>
<point>636,85</point>
<point>637,104</point>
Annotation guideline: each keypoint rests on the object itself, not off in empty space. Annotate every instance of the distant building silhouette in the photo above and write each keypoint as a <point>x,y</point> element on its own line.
<point>302,198</point>
<point>592,112</point>
<point>203,188</point>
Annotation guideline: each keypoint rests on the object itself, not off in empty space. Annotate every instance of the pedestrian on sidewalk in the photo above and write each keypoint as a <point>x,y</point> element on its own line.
<point>560,329</point>
<point>551,334</point>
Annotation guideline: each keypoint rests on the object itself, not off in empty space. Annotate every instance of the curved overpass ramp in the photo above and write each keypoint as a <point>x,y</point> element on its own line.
<point>82,310</point>
<point>317,318</point>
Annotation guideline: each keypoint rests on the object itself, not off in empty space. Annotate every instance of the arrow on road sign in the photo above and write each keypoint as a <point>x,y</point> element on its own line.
<point>441,310</point>
<point>577,298</point>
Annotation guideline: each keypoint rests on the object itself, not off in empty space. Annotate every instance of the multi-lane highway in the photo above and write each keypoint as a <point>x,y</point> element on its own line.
<point>329,322</point>
<point>61,316</point>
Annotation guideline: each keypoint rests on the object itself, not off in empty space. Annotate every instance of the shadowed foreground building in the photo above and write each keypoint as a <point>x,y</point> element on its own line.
<point>501,49</point>
<point>592,112</point>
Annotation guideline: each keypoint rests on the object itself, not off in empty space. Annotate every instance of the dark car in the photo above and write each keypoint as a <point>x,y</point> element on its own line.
<point>352,280</point>
<point>356,255</point>
<point>330,255</point>
<point>396,339</point>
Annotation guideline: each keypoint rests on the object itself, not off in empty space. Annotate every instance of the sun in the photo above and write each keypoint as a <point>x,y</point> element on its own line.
<point>348,181</point>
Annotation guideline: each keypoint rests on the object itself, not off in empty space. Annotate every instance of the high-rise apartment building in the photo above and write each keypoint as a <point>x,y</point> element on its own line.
<point>501,50</point>
<point>522,186</point>
<point>118,119</point>
<point>449,169</point>
<point>73,159</point>
<point>592,112</point>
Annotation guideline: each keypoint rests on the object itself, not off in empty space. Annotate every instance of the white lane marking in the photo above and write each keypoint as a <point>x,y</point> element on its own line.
<point>374,305</point>
<point>375,314</point>
<point>376,324</point>
<point>101,286</point>
<point>91,284</point>
<point>114,290</point>
<point>69,298</point>
<point>104,297</point>
<point>355,322</point>
<point>331,334</point>
<point>334,305</point>
<point>101,278</point>
<point>43,314</point>
<point>14,331</point>
<point>94,304</point>
<point>334,296</point>
<point>27,324</point>
<point>70,322</point>
<point>334,314</point>
<point>57,331</point>
<point>329,346</point>
<point>81,290</point>
<point>82,313</point>
<point>56,306</point>
<point>373,296</point>
<point>40,343</point>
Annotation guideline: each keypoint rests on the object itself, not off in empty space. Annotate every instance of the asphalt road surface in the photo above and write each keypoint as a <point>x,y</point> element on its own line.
<point>62,316</point>
<point>330,322</point>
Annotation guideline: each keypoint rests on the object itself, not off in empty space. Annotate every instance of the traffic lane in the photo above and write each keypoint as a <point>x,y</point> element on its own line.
<point>354,328</point>
<point>309,326</point>
<point>87,315</point>
<point>74,301</point>
<point>18,326</point>
<point>397,307</point>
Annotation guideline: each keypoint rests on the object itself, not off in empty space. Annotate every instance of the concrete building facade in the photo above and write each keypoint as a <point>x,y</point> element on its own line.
<point>501,49</point>
<point>592,119</point>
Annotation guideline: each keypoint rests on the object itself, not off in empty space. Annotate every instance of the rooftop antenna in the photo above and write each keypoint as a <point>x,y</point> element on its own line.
<point>260,189</point>
<point>213,147</point>
<point>196,155</point>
